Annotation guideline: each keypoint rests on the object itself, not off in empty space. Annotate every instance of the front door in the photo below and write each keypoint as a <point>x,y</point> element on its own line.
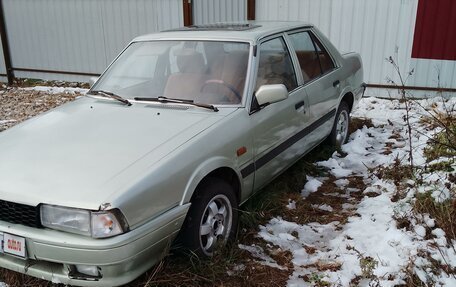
<point>276,125</point>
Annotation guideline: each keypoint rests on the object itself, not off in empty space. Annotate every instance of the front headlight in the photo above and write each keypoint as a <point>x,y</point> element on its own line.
<point>97,224</point>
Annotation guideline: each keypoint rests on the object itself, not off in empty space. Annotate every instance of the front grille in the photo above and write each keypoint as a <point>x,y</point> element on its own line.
<point>20,213</point>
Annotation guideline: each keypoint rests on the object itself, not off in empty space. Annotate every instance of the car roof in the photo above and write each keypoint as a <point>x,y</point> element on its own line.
<point>247,31</point>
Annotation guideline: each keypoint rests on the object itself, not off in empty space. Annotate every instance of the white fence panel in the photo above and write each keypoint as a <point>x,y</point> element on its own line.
<point>83,36</point>
<point>78,35</point>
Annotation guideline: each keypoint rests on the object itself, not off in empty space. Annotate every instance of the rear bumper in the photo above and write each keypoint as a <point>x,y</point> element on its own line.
<point>363,87</point>
<point>358,94</point>
<point>52,254</point>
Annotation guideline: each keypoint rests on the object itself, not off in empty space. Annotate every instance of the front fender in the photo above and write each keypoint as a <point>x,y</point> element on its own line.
<point>203,170</point>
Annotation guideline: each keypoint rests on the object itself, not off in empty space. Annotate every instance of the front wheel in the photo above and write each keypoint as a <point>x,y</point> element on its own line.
<point>339,133</point>
<point>212,218</point>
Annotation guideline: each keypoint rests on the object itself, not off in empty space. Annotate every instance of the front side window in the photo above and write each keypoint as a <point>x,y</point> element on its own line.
<point>275,66</point>
<point>208,72</point>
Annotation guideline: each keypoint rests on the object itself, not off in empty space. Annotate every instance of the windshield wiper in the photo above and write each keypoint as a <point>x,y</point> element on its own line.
<point>178,101</point>
<point>110,95</point>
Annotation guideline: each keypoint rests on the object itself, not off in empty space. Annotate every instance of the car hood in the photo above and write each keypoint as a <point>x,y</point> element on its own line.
<point>67,155</point>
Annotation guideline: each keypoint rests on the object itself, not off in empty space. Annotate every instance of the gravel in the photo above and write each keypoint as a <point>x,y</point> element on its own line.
<point>20,104</point>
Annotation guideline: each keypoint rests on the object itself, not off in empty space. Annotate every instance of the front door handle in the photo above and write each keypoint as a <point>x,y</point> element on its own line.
<point>336,83</point>
<point>299,104</point>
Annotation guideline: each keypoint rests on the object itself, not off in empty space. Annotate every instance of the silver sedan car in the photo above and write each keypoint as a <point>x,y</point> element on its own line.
<point>182,128</point>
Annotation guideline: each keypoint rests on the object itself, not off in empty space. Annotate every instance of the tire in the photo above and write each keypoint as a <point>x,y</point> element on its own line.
<point>212,219</point>
<point>339,132</point>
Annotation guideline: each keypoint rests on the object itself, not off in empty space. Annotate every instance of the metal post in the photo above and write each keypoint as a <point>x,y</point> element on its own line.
<point>251,9</point>
<point>188,12</point>
<point>5,46</point>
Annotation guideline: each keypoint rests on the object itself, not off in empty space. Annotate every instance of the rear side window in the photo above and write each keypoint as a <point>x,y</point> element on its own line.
<point>307,55</point>
<point>326,62</point>
<point>313,59</point>
<point>275,66</point>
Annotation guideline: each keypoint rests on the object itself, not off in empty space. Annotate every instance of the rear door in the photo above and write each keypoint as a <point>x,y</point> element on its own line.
<point>321,80</point>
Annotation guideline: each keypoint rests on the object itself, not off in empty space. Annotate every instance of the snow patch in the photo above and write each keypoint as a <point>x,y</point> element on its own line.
<point>258,252</point>
<point>312,185</point>
<point>291,204</point>
<point>57,90</point>
<point>323,207</point>
<point>370,242</point>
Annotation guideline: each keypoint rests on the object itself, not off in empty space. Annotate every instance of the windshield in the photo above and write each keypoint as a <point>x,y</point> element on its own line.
<point>206,72</point>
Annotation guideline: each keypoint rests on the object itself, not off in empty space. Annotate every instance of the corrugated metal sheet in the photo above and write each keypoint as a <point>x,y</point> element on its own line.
<point>211,11</point>
<point>84,36</point>
<point>79,35</point>
<point>377,29</point>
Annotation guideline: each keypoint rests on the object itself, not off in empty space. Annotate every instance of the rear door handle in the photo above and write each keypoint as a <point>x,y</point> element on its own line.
<point>336,83</point>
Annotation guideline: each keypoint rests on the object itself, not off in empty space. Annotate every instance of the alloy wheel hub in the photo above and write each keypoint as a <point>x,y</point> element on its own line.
<point>216,223</point>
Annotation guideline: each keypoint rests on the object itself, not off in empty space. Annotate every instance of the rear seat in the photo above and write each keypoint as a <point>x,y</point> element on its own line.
<point>309,63</point>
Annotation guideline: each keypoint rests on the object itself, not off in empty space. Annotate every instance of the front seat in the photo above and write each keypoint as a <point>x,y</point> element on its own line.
<point>187,83</point>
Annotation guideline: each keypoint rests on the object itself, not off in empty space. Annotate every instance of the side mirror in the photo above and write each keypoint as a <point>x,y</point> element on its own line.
<point>268,94</point>
<point>92,81</point>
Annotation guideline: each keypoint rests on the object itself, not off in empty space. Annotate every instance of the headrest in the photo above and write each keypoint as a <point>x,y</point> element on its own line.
<point>190,61</point>
<point>236,62</point>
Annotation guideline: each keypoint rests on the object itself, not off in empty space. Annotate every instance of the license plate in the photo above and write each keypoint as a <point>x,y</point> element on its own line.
<point>12,244</point>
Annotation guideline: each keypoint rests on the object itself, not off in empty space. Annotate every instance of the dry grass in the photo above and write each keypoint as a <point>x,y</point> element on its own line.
<point>359,123</point>
<point>329,194</point>
<point>14,279</point>
<point>442,144</point>
<point>444,213</point>
<point>177,270</point>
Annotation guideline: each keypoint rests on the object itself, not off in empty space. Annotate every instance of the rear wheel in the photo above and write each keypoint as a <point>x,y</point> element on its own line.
<point>339,133</point>
<point>212,218</point>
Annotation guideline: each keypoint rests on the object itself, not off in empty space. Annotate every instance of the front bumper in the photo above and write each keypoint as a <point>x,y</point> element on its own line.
<point>52,254</point>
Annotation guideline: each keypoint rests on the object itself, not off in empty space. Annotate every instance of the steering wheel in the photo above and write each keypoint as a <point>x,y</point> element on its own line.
<point>224,84</point>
